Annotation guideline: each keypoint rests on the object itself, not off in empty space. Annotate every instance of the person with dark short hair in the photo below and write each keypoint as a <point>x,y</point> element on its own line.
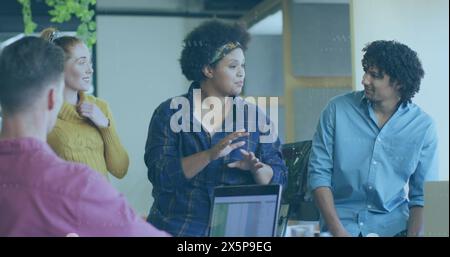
<point>40,193</point>
<point>373,150</point>
<point>184,167</point>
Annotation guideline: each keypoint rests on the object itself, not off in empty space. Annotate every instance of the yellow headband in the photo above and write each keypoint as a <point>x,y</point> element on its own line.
<point>224,50</point>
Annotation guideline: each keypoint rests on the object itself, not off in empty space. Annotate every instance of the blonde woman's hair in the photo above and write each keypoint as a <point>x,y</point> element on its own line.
<point>65,42</point>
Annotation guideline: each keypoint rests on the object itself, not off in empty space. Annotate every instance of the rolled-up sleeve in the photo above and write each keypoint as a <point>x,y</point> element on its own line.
<point>162,155</point>
<point>321,158</point>
<point>427,167</point>
<point>271,155</point>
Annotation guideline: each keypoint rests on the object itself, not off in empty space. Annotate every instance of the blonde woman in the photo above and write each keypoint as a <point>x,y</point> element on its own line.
<point>85,130</point>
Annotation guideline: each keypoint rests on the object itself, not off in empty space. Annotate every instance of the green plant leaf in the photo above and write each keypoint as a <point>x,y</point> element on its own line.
<point>62,11</point>
<point>29,25</point>
<point>92,25</point>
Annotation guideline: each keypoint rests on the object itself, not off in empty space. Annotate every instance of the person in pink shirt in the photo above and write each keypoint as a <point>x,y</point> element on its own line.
<point>41,194</point>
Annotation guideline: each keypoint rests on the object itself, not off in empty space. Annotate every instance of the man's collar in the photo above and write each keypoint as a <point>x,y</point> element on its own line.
<point>364,100</point>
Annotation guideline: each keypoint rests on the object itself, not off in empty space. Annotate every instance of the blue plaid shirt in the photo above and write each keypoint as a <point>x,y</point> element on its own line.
<point>182,206</point>
<point>368,168</point>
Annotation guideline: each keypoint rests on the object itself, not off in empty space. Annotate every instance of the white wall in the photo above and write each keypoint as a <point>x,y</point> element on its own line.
<point>138,68</point>
<point>264,70</point>
<point>423,26</point>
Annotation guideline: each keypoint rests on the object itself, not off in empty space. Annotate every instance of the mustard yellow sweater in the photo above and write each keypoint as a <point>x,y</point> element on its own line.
<point>75,138</point>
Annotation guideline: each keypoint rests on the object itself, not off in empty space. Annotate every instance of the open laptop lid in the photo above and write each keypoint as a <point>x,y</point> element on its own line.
<point>248,210</point>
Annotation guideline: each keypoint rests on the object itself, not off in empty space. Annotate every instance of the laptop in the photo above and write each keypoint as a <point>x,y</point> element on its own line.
<point>436,209</point>
<point>245,211</point>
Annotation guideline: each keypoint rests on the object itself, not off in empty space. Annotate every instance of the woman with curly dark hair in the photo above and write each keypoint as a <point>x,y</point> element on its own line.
<point>184,166</point>
<point>372,144</point>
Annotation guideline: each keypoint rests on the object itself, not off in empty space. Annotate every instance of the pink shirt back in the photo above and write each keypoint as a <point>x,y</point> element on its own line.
<point>43,195</point>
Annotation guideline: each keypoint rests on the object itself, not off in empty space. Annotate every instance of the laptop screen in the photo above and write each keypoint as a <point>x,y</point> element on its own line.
<point>245,211</point>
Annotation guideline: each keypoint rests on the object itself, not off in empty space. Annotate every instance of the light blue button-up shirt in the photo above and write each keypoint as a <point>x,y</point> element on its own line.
<point>375,174</point>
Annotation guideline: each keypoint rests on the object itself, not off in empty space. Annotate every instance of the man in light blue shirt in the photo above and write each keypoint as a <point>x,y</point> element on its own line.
<point>373,150</point>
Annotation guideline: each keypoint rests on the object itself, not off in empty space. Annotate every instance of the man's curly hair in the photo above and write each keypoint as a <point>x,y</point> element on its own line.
<point>399,62</point>
<point>201,44</point>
